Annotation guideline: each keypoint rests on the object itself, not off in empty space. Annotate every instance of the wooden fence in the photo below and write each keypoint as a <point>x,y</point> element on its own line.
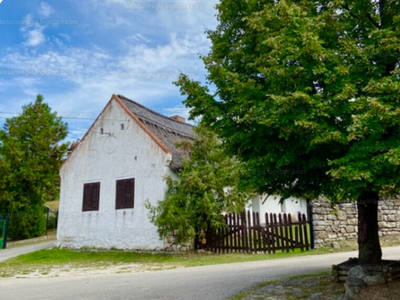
<point>245,233</point>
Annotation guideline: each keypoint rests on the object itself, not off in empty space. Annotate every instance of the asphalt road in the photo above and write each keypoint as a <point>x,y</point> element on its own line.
<point>196,283</point>
<point>13,252</point>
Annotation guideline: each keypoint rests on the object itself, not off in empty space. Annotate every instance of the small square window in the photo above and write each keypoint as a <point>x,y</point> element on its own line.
<point>101,130</point>
<point>125,193</point>
<point>122,126</point>
<point>91,196</point>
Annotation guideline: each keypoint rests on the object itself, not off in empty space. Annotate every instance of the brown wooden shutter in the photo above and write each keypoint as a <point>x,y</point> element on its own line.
<point>91,196</point>
<point>125,193</point>
<point>129,192</point>
<point>120,194</point>
<point>95,195</point>
<point>86,197</point>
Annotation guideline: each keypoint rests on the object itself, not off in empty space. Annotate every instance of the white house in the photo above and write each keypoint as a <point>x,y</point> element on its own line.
<point>118,165</point>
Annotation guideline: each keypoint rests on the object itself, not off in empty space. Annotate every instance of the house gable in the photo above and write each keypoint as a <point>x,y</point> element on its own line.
<point>166,132</point>
<point>117,148</point>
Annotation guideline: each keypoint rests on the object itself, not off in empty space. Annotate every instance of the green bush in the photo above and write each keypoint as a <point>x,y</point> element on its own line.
<point>28,222</point>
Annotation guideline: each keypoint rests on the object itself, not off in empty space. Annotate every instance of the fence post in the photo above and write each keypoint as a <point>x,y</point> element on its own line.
<point>47,220</point>
<point>310,221</point>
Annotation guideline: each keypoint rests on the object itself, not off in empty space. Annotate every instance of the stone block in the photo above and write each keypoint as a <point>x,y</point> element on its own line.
<point>326,204</point>
<point>319,217</point>
<point>391,224</point>
<point>318,210</point>
<point>331,217</point>
<point>321,234</point>
<point>357,272</point>
<point>335,228</point>
<point>316,296</point>
<point>353,286</point>
<point>322,228</point>
<point>351,210</point>
<point>318,241</point>
<point>323,223</point>
<point>350,229</point>
<point>342,216</point>
<point>353,221</point>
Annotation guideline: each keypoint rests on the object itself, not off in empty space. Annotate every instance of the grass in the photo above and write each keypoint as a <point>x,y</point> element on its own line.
<point>45,260</point>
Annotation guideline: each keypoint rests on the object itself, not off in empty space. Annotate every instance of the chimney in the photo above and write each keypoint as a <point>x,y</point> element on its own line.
<point>178,118</point>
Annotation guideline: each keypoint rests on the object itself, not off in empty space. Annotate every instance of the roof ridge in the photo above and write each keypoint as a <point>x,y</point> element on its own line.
<point>154,112</point>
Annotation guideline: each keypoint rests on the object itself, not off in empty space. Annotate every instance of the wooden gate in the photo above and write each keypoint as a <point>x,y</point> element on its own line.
<point>245,233</point>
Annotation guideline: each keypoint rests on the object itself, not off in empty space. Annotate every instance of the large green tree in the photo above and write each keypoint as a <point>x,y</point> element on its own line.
<point>31,153</point>
<point>310,88</point>
<point>208,185</point>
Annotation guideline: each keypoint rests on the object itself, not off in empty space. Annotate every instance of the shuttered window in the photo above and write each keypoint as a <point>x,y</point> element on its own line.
<point>91,196</point>
<point>125,193</point>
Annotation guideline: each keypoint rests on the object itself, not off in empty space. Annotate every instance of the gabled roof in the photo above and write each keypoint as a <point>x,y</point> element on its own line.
<point>165,131</point>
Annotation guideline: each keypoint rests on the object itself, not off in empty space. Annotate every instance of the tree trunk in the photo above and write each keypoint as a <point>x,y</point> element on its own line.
<point>196,239</point>
<point>369,248</point>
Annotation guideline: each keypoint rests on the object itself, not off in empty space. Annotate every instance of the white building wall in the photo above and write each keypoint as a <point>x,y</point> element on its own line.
<point>272,205</point>
<point>118,153</point>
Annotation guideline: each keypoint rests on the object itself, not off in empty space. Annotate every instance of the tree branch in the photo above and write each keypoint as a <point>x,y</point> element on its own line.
<point>346,7</point>
<point>373,22</point>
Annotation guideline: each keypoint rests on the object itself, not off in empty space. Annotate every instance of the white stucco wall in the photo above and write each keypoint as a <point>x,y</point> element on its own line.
<point>105,158</point>
<point>272,205</point>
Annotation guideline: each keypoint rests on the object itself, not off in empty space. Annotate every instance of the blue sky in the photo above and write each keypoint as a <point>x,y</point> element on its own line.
<point>78,53</point>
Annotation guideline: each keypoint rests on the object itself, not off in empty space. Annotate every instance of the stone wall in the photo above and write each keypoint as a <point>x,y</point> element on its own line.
<point>338,223</point>
<point>171,245</point>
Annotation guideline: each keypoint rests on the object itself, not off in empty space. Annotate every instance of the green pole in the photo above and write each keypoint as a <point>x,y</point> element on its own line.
<point>5,232</point>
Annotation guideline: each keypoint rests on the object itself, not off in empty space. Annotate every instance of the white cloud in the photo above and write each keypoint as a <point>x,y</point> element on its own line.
<point>35,37</point>
<point>65,36</point>
<point>58,42</point>
<point>137,37</point>
<point>45,9</point>
<point>32,32</point>
<point>168,58</point>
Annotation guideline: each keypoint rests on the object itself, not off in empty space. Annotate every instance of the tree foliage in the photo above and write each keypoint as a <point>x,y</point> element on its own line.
<point>207,187</point>
<point>310,88</point>
<point>30,158</point>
